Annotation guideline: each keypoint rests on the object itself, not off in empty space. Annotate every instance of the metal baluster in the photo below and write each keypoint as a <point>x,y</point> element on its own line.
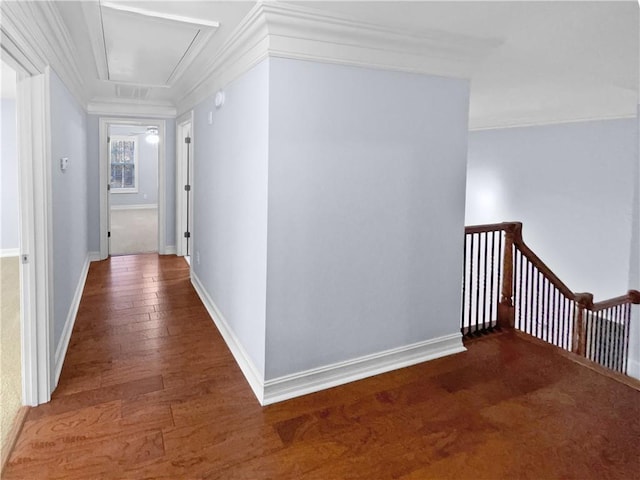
<point>617,335</point>
<point>537,318</point>
<point>530,273</point>
<point>519,277</point>
<point>470,282</point>
<point>484,285</point>
<point>626,337</point>
<point>554,315</point>
<point>493,308</point>
<point>499,279</point>
<point>609,326</point>
<point>546,316</point>
<point>464,281</point>
<point>478,288</point>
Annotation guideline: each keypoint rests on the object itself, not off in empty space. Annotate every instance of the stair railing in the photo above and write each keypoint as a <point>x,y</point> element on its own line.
<point>506,285</point>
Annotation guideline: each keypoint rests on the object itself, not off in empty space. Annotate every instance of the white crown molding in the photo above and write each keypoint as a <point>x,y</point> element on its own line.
<point>304,33</point>
<point>293,31</point>
<point>130,109</point>
<point>37,37</point>
<point>15,44</point>
<point>92,16</point>
<point>245,47</point>
<point>537,119</point>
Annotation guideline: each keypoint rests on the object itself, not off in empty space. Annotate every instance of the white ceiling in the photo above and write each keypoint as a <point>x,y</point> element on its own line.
<point>574,60</point>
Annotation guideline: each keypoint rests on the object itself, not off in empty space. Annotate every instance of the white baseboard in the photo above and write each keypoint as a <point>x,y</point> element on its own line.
<point>633,368</point>
<point>9,252</point>
<point>94,256</point>
<point>143,206</point>
<point>63,345</point>
<point>169,250</point>
<point>254,378</point>
<point>314,380</point>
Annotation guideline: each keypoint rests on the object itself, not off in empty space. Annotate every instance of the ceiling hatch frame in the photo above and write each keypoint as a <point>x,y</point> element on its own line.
<point>95,14</point>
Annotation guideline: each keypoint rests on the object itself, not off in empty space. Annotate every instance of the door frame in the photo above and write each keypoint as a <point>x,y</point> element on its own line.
<point>181,180</point>
<point>105,122</point>
<point>35,214</point>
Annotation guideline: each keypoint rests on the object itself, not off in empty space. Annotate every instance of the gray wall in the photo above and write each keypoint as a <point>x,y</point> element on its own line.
<point>572,187</point>
<point>147,171</point>
<point>9,211</point>
<point>69,193</point>
<point>366,211</point>
<point>230,206</point>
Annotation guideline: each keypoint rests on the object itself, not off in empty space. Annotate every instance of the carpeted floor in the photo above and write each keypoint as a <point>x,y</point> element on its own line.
<point>10,348</point>
<point>134,231</point>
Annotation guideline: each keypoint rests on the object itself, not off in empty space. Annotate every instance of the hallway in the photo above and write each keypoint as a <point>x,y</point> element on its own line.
<point>150,390</point>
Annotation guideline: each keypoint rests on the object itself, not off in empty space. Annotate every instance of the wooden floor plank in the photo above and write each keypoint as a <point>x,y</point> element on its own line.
<point>149,390</point>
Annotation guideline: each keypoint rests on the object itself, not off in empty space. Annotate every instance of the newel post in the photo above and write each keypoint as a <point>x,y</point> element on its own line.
<point>506,309</point>
<point>583,301</point>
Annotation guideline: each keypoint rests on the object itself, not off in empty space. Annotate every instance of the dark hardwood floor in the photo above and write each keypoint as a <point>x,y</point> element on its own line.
<point>150,390</point>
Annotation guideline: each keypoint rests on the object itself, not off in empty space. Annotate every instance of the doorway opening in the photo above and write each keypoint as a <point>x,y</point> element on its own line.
<point>133,189</point>
<point>132,197</point>
<point>10,286</point>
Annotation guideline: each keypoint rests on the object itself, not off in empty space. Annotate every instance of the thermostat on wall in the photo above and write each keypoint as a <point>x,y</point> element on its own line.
<point>64,163</point>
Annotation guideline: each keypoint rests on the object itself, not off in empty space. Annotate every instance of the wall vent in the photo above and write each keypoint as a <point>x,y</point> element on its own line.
<point>132,92</point>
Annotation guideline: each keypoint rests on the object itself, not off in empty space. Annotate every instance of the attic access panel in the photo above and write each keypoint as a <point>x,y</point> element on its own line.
<point>146,48</point>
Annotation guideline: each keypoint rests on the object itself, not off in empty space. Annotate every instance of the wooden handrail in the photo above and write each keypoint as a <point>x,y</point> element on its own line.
<point>632,296</point>
<point>491,227</point>
<point>542,267</point>
<point>585,300</point>
<point>574,307</point>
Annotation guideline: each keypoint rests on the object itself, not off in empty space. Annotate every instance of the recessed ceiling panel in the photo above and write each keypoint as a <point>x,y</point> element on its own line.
<point>145,50</point>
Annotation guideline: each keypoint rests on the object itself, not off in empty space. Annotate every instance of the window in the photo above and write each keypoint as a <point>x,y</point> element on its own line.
<point>124,164</point>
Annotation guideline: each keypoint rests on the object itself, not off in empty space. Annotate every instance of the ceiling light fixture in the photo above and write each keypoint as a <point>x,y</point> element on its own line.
<point>152,135</point>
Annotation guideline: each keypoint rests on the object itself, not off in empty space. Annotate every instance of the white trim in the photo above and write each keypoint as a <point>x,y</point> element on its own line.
<point>299,32</point>
<point>63,345</point>
<point>169,250</point>
<point>162,15</point>
<point>251,373</point>
<point>181,222</point>
<point>162,187</point>
<point>125,109</point>
<point>9,252</point>
<point>35,215</point>
<point>104,123</point>
<point>147,206</point>
<point>541,121</point>
<point>633,368</point>
<point>94,256</point>
<point>314,380</point>
<point>37,37</point>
